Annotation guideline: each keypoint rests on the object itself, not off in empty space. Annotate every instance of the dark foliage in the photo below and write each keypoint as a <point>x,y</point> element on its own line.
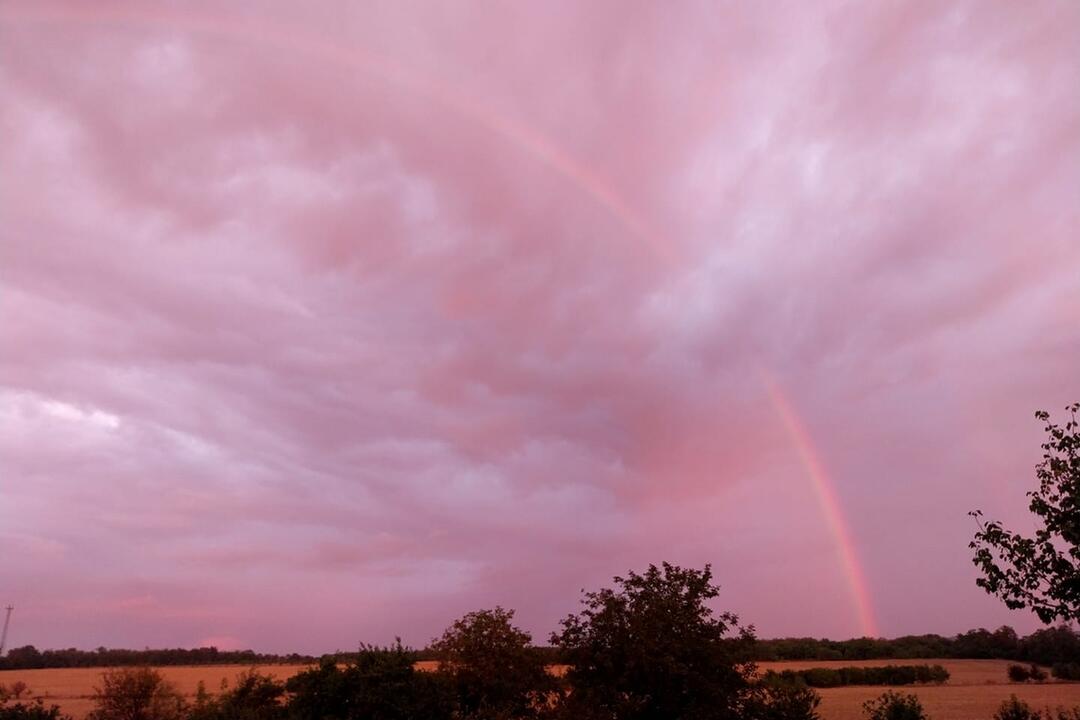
<point>377,684</point>
<point>778,700</point>
<point>884,675</point>
<point>894,706</point>
<point>652,649</point>
<point>1016,709</point>
<point>136,694</point>
<point>1019,673</point>
<point>1045,646</point>
<point>1041,572</point>
<point>1066,670</point>
<point>29,657</point>
<point>31,711</point>
<point>253,697</point>
<point>491,668</point>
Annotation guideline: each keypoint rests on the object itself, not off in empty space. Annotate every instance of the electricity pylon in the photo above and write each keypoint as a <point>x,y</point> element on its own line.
<point>3,635</point>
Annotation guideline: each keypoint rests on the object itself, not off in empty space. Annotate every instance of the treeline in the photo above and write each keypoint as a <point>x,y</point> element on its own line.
<point>882,675</point>
<point>649,648</point>
<point>1048,646</point>
<point>29,657</point>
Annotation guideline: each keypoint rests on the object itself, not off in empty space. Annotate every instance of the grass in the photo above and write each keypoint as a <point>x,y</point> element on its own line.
<point>974,691</point>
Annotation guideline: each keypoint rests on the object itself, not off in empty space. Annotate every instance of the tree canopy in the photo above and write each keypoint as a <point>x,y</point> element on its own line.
<point>1040,572</point>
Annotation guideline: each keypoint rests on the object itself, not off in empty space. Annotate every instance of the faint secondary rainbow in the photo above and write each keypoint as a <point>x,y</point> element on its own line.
<point>829,502</point>
<point>526,139</point>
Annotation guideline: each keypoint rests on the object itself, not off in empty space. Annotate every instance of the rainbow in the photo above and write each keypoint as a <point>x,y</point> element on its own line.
<point>829,502</point>
<point>292,38</point>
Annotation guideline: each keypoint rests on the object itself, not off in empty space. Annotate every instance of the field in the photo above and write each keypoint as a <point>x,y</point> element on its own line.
<point>973,692</point>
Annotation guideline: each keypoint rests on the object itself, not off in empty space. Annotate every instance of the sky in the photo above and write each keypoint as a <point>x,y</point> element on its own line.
<point>328,322</point>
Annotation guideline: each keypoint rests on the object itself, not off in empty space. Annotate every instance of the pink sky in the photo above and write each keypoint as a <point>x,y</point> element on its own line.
<point>329,322</point>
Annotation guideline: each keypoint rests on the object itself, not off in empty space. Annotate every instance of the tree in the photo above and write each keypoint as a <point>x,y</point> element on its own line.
<point>652,649</point>
<point>136,694</point>
<point>493,667</point>
<point>1042,572</point>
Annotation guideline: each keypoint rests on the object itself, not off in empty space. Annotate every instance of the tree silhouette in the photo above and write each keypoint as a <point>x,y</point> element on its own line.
<point>1042,572</point>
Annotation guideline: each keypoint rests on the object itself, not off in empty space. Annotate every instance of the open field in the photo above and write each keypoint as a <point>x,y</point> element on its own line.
<point>974,690</point>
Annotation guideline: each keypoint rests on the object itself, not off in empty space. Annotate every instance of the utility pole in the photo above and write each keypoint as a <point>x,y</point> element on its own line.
<point>3,635</point>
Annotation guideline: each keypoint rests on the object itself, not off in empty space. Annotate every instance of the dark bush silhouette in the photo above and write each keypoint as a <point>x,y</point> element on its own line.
<point>253,696</point>
<point>1019,673</point>
<point>1016,709</point>
<point>894,706</point>
<point>136,694</point>
<point>652,649</point>
<point>777,700</point>
<point>884,675</point>
<point>491,668</point>
<point>377,684</point>
<point>1066,671</point>
<point>31,711</point>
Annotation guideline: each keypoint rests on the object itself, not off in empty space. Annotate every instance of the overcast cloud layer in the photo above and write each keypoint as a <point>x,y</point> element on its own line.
<point>324,323</point>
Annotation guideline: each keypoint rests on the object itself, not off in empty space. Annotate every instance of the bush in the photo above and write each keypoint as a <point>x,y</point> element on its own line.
<point>1019,673</point>
<point>1016,709</point>
<point>883,675</point>
<point>253,697</point>
<point>1066,671</point>
<point>32,711</point>
<point>894,706</point>
<point>377,683</point>
<point>136,694</point>
<point>1037,674</point>
<point>779,700</point>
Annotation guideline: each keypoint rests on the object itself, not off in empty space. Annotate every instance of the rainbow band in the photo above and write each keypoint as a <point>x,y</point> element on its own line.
<point>829,502</point>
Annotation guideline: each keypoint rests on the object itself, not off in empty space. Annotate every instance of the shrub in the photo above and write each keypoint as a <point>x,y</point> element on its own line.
<point>253,697</point>
<point>883,675</point>
<point>377,683</point>
<point>1019,673</point>
<point>33,711</point>
<point>1066,671</point>
<point>136,694</point>
<point>780,700</point>
<point>1036,673</point>
<point>1016,709</point>
<point>894,706</point>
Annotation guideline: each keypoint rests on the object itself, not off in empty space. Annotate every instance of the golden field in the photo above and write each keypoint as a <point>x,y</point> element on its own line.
<point>974,690</point>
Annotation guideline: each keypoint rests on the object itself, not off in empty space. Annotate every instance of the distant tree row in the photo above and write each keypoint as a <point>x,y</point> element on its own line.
<point>1046,646</point>
<point>1059,645</point>
<point>29,657</point>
